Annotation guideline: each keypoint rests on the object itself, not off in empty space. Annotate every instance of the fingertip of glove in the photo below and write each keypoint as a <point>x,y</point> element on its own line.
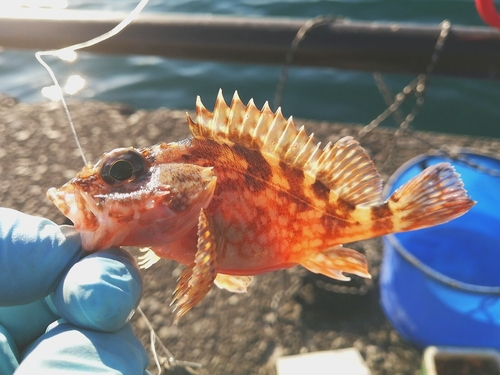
<point>100,291</point>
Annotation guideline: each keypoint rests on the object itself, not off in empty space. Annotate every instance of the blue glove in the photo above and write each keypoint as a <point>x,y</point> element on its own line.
<point>59,312</point>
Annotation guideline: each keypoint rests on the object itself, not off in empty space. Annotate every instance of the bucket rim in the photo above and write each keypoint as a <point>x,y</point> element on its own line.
<point>427,270</point>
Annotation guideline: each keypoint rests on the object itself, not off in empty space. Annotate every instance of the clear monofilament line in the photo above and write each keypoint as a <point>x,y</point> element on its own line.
<point>170,359</point>
<point>115,30</point>
<point>38,56</point>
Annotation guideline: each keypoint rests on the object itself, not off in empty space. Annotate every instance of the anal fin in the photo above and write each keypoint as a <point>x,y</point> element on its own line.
<point>232,283</point>
<point>197,279</point>
<point>335,261</point>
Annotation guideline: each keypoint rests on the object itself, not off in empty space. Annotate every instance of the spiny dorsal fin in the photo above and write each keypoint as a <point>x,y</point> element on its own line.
<point>344,167</point>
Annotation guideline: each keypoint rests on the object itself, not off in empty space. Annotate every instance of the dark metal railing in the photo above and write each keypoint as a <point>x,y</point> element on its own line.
<point>396,48</point>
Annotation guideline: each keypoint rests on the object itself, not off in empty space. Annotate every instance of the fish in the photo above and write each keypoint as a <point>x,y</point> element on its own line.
<point>249,193</point>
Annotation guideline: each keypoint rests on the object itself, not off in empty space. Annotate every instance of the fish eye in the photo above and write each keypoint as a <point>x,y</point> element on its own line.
<point>123,166</point>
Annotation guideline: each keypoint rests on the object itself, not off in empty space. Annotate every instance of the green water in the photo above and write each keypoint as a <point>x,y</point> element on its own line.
<point>460,106</point>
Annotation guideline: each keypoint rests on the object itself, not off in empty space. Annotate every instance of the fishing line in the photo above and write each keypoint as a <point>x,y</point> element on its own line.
<point>169,362</point>
<point>60,52</point>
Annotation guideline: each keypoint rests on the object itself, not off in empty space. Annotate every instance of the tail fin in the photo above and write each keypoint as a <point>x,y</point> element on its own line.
<point>434,197</point>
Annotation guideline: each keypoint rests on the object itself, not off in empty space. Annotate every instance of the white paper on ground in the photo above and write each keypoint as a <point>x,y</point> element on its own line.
<point>332,362</point>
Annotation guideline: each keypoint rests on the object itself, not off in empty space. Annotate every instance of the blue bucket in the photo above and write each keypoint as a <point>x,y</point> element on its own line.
<point>441,285</point>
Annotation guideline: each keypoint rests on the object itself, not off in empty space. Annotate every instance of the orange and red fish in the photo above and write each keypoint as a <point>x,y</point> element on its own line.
<point>248,194</point>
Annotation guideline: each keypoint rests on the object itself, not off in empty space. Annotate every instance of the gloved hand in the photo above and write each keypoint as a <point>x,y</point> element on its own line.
<point>59,312</point>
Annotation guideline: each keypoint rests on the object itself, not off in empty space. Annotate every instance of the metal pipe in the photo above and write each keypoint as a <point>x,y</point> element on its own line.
<point>395,48</point>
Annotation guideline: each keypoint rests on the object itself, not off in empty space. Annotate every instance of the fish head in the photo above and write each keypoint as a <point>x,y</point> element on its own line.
<point>128,198</point>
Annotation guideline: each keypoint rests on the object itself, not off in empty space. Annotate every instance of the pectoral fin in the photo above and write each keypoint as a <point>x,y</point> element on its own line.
<point>197,279</point>
<point>335,261</point>
<point>235,284</point>
<point>147,259</point>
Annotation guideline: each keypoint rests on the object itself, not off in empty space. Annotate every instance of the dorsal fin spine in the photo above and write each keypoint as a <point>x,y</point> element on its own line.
<point>312,162</point>
<point>286,139</point>
<point>220,115</point>
<point>260,130</point>
<point>291,153</point>
<point>275,131</point>
<point>203,116</point>
<point>236,114</point>
<point>247,127</point>
<point>303,153</point>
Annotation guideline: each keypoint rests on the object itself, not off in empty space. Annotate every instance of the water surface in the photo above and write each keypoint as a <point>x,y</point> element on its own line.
<point>461,106</point>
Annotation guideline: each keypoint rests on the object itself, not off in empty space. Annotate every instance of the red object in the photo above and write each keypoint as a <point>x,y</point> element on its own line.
<point>488,12</point>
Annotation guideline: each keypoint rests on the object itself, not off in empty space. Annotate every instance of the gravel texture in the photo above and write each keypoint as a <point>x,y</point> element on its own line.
<point>283,313</point>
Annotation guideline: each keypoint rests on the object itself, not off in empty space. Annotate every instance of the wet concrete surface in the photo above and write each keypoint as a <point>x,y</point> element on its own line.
<point>283,313</point>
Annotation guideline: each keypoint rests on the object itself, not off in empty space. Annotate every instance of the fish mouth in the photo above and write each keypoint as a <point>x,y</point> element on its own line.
<point>59,198</point>
<point>71,203</point>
